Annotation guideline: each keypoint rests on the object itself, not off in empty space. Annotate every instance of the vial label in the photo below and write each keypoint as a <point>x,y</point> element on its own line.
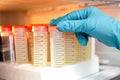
<point>57,49</point>
<point>83,52</point>
<point>21,47</point>
<point>69,48</point>
<point>40,41</point>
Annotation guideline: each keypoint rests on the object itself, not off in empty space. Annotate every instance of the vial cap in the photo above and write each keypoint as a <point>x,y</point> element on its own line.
<point>40,28</point>
<point>53,29</point>
<point>20,28</point>
<point>6,28</point>
<point>29,27</point>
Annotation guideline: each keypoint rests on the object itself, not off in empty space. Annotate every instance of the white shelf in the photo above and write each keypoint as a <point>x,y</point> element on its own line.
<point>28,72</point>
<point>108,73</point>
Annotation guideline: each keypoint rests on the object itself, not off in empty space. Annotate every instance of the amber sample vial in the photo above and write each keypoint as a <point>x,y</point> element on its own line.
<point>21,44</point>
<point>70,44</point>
<point>40,44</point>
<point>74,52</point>
<point>84,53</point>
<point>7,44</point>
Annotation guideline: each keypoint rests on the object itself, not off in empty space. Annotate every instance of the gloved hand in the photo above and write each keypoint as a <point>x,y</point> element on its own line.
<point>90,22</point>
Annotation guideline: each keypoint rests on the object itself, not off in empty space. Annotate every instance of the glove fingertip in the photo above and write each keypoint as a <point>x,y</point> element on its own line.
<point>53,22</point>
<point>60,26</point>
<point>83,43</point>
<point>82,38</point>
<point>64,26</point>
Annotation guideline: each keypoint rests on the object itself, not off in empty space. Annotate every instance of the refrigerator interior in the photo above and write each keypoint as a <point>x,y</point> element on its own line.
<point>14,12</point>
<point>35,12</point>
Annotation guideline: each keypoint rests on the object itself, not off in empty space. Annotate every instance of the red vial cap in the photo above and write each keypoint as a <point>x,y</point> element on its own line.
<point>29,27</point>
<point>6,28</point>
<point>20,28</point>
<point>40,28</point>
<point>53,29</point>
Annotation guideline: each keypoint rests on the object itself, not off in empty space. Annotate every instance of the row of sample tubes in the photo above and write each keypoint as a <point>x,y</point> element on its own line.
<point>65,48</point>
<point>40,44</point>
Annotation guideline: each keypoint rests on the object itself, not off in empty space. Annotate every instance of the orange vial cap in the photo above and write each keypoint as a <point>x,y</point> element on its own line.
<point>29,27</point>
<point>39,28</point>
<point>53,29</point>
<point>20,28</point>
<point>6,28</point>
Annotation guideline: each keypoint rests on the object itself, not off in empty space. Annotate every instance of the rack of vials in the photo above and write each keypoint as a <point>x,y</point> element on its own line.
<point>42,45</point>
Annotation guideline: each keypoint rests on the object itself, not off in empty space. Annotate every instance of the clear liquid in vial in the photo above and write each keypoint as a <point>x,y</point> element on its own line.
<point>40,45</point>
<point>7,44</point>
<point>21,44</point>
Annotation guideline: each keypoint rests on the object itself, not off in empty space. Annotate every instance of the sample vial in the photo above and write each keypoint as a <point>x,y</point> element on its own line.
<point>70,45</point>
<point>83,52</point>
<point>21,44</point>
<point>7,44</point>
<point>40,44</point>
<point>57,47</point>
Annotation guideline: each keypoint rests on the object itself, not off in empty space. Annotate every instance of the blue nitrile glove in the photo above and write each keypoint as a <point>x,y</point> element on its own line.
<point>91,22</point>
